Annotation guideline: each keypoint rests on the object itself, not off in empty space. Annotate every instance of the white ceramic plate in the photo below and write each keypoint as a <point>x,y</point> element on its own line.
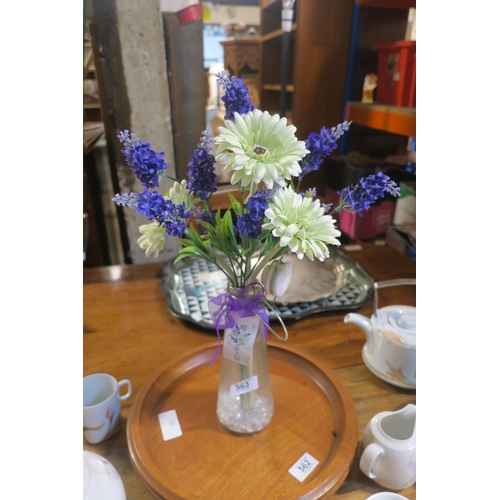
<point>101,480</point>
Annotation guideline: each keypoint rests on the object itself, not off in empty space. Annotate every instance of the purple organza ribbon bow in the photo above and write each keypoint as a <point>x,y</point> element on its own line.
<point>246,303</point>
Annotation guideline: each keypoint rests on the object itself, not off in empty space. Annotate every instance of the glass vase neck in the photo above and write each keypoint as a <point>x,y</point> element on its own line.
<point>248,292</point>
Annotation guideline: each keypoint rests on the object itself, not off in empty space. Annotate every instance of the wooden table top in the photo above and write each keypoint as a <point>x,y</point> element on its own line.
<point>130,333</point>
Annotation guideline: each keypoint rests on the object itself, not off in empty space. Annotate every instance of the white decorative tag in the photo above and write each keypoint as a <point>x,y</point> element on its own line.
<point>305,465</point>
<point>352,248</point>
<point>238,341</point>
<point>169,423</point>
<point>247,385</point>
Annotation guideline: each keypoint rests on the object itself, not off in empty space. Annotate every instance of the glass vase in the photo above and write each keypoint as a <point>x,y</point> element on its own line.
<point>245,400</point>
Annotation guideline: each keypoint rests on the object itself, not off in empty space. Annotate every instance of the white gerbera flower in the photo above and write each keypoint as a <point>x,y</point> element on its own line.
<point>179,194</point>
<point>301,224</point>
<point>259,147</point>
<point>152,239</point>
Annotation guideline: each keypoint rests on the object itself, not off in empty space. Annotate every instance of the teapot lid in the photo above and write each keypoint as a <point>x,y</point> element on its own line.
<point>396,321</point>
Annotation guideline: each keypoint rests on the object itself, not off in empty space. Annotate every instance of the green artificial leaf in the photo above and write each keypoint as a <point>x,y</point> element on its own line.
<point>195,238</point>
<point>209,228</point>
<point>185,242</point>
<point>180,257</point>
<point>265,233</point>
<point>270,242</point>
<point>249,246</point>
<point>215,235</point>
<point>210,251</point>
<point>195,252</point>
<point>229,231</point>
<point>235,204</point>
<point>217,217</point>
<point>221,234</point>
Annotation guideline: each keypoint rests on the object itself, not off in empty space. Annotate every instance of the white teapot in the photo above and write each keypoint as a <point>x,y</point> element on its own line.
<point>391,339</point>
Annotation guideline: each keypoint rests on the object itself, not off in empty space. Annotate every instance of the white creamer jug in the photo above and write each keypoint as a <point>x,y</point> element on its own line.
<point>389,448</point>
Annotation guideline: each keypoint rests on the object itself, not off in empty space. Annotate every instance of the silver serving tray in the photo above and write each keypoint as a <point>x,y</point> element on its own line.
<point>340,285</point>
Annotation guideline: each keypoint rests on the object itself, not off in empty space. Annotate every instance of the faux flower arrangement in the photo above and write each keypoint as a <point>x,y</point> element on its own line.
<point>268,164</point>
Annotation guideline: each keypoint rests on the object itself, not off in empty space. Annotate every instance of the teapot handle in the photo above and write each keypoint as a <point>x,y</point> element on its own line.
<point>370,454</point>
<point>386,284</point>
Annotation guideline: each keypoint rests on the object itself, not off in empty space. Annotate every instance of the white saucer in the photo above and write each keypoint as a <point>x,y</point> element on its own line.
<point>101,480</point>
<point>386,495</point>
<point>384,377</point>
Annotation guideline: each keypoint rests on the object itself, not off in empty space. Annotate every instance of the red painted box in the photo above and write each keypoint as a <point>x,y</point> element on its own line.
<point>373,223</point>
<point>396,70</point>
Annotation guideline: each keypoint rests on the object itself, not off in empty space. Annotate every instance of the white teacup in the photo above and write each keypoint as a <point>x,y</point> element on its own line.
<point>101,406</point>
<point>389,454</point>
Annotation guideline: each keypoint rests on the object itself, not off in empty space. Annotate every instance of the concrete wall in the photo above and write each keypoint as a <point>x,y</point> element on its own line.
<point>132,52</point>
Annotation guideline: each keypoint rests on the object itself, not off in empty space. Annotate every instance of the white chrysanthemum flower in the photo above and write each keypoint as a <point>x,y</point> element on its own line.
<point>179,194</point>
<point>152,239</point>
<point>301,224</point>
<point>259,147</point>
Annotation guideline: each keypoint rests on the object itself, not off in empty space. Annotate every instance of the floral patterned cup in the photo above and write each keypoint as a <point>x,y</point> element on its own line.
<point>101,406</point>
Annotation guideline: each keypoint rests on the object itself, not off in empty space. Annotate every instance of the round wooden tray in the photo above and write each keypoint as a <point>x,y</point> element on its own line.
<point>313,413</point>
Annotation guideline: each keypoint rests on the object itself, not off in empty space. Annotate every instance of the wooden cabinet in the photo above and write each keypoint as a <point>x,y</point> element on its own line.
<point>317,63</point>
<point>241,59</point>
<point>241,55</point>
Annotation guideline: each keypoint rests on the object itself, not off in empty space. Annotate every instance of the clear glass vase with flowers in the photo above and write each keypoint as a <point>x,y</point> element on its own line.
<point>247,242</point>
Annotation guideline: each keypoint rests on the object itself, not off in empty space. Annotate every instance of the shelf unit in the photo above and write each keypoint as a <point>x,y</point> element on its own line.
<point>393,119</point>
<point>317,64</point>
<point>375,22</point>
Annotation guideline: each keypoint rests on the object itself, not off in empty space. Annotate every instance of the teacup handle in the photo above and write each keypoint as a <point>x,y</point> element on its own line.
<point>370,454</point>
<point>129,392</point>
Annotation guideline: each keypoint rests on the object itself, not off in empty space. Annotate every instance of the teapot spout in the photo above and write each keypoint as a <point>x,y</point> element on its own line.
<point>367,327</point>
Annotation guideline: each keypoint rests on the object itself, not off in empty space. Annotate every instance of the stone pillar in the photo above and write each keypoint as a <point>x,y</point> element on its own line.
<point>134,75</point>
<point>187,83</point>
